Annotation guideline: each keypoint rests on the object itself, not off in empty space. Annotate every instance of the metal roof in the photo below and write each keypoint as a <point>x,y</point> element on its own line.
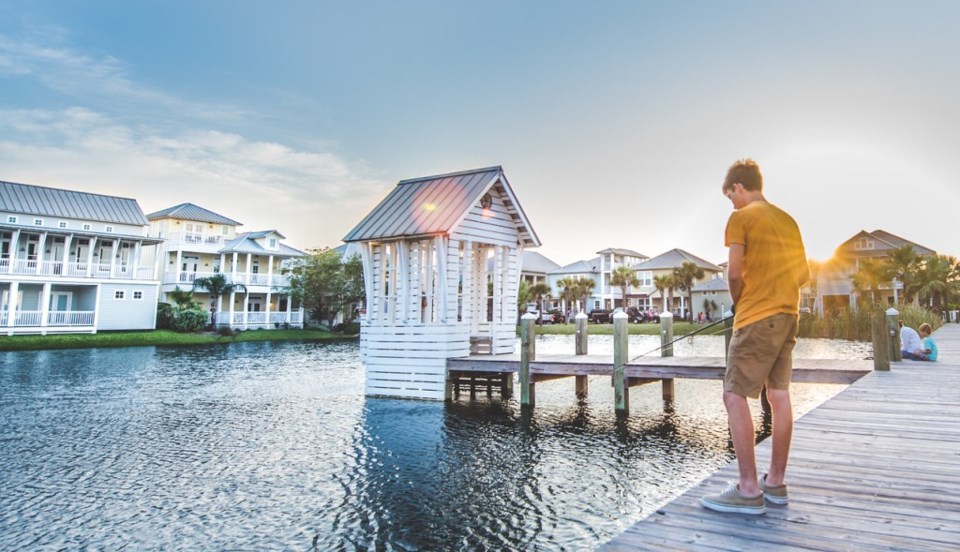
<point>714,284</point>
<point>435,205</point>
<point>54,202</point>
<point>891,240</point>
<point>245,243</point>
<point>531,261</point>
<point>189,211</point>
<point>147,240</point>
<point>674,259</point>
<point>579,267</point>
<point>621,251</point>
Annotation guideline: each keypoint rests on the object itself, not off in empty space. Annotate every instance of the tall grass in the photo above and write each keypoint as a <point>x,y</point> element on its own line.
<point>855,325</point>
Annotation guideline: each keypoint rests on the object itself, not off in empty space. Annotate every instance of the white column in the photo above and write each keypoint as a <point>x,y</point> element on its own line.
<point>40,245</point>
<point>96,310</point>
<point>223,262</point>
<point>44,307</point>
<point>219,310</point>
<point>403,281</point>
<point>246,307</point>
<point>12,305</point>
<point>233,298</point>
<point>136,258</point>
<point>114,246</point>
<point>249,272</point>
<point>67,242</point>
<point>176,268</point>
<point>269,272</point>
<point>14,249</point>
<point>290,308</point>
<point>91,245</point>
<point>233,268</point>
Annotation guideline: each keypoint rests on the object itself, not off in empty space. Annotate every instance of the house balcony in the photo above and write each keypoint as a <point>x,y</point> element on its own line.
<point>249,280</point>
<point>249,320</point>
<point>32,267</point>
<point>30,322</point>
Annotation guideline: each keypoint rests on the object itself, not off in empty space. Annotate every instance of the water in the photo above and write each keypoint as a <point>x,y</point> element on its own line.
<point>272,446</point>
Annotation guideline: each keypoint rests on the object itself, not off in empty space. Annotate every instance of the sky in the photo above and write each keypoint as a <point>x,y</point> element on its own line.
<point>614,121</point>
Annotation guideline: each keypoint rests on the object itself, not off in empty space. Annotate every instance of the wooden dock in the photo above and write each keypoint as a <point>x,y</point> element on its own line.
<point>875,468</point>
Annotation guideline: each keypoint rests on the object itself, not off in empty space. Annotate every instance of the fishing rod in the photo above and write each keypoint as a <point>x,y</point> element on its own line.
<point>681,338</point>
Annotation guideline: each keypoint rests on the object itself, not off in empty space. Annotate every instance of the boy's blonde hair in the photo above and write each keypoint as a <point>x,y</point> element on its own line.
<point>926,329</point>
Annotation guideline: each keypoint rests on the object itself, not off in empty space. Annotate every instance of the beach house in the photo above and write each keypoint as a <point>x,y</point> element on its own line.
<point>647,295</point>
<point>834,281</point>
<point>73,262</point>
<point>199,243</point>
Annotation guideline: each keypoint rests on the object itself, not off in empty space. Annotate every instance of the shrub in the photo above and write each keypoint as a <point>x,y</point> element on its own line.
<point>190,320</point>
<point>166,316</point>
<point>855,325</point>
<point>226,331</point>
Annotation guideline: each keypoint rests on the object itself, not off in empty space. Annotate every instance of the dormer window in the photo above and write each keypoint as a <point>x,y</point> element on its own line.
<point>865,243</point>
<point>273,243</point>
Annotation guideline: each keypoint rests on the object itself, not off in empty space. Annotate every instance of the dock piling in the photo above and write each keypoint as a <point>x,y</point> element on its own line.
<point>881,342</point>
<point>582,382</point>
<point>528,353</point>
<point>621,391</point>
<point>666,336</point>
<point>893,328</point>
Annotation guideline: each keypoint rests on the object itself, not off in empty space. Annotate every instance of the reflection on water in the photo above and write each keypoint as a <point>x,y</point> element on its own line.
<point>273,446</point>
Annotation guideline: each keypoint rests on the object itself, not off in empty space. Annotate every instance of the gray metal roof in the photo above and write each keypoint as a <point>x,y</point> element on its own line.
<point>189,211</point>
<point>244,243</point>
<point>146,240</point>
<point>621,251</point>
<point>434,205</point>
<point>54,202</point>
<point>534,262</point>
<point>892,241</point>
<point>673,259</point>
<point>714,284</point>
<point>579,267</point>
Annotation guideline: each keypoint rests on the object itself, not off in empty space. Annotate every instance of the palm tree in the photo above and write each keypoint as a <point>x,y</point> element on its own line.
<point>937,280</point>
<point>182,298</point>
<point>872,274</point>
<point>904,264</point>
<point>624,277</point>
<point>684,277</point>
<point>663,283</point>
<point>583,289</point>
<point>217,286</point>
<point>538,291</point>
<point>569,291</point>
<point>523,296</point>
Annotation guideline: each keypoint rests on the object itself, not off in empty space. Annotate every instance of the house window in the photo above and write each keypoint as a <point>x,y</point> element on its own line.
<point>38,222</point>
<point>137,295</point>
<point>108,229</point>
<point>865,243</point>
<point>645,277</point>
<point>12,220</point>
<point>273,243</point>
<point>62,224</point>
<point>119,294</point>
<point>86,226</point>
<point>226,230</point>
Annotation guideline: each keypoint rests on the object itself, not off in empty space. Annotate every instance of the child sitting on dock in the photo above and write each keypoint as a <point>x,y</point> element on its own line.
<point>929,345</point>
<point>910,346</point>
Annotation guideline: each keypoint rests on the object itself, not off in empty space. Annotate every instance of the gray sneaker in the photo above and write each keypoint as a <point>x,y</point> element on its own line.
<point>776,494</point>
<point>731,501</point>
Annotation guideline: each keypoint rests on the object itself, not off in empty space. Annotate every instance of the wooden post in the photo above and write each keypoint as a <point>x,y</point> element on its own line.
<point>580,323</point>
<point>506,385</point>
<point>893,329</point>
<point>881,343</point>
<point>621,391</point>
<point>528,353</point>
<point>666,336</point>
<point>727,335</point>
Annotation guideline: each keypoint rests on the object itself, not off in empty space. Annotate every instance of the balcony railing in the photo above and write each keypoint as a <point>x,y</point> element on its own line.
<point>259,318</point>
<point>32,267</point>
<point>260,279</point>
<point>26,318</point>
<point>195,238</point>
<point>70,318</point>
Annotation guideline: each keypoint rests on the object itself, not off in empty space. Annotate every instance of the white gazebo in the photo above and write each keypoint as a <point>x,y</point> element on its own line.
<point>430,294</point>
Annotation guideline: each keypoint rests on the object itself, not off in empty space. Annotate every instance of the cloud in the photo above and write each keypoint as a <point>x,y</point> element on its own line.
<point>313,197</point>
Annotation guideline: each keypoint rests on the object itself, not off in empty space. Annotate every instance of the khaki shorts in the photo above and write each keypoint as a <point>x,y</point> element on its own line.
<point>761,354</point>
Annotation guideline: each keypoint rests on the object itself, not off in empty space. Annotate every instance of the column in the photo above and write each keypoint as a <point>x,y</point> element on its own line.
<point>233,268</point>
<point>91,245</point>
<point>219,310</point>
<point>67,242</point>
<point>113,257</point>
<point>44,307</point>
<point>14,249</point>
<point>12,306</point>
<point>136,259</point>
<point>179,264</point>
<point>249,272</point>
<point>40,246</point>
<point>233,297</point>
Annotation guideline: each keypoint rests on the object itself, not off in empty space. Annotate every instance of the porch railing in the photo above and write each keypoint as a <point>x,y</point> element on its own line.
<point>70,318</point>
<point>259,318</point>
<point>33,267</point>
<point>26,318</point>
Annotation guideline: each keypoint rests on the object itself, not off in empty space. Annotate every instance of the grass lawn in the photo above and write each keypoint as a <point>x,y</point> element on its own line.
<point>156,337</point>
<point>679,328</point>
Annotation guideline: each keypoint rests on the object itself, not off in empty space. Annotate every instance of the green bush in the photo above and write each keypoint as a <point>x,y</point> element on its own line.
<point>166,316</point>
<point>226,331</point>
<point>190,320</point>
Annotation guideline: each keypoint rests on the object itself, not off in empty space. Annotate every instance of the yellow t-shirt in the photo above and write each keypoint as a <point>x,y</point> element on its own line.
<point>774,261</point>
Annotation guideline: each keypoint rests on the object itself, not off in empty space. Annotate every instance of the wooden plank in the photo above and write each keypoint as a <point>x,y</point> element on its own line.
<point>874,468</point>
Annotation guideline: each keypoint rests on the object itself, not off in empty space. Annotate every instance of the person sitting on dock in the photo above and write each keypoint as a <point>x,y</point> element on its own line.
<point>767,267</point>
<point>929,345</point>
<point>910,346</point>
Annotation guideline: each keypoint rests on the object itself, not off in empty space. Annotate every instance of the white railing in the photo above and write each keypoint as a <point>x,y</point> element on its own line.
<point>259,280</point>
<point>196,238</point>
<point>31,267</point>
<point>26,318</point>
<point>259,318</point>
<point>70,318</point>
<point>3,318</point>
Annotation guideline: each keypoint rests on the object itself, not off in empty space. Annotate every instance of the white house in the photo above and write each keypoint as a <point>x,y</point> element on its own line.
<point>664,265</point>
<point>73,262</point>
<point>424,249</point>
<point>200,243</point>
<point>610,259</point>
<point>579,270</point>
